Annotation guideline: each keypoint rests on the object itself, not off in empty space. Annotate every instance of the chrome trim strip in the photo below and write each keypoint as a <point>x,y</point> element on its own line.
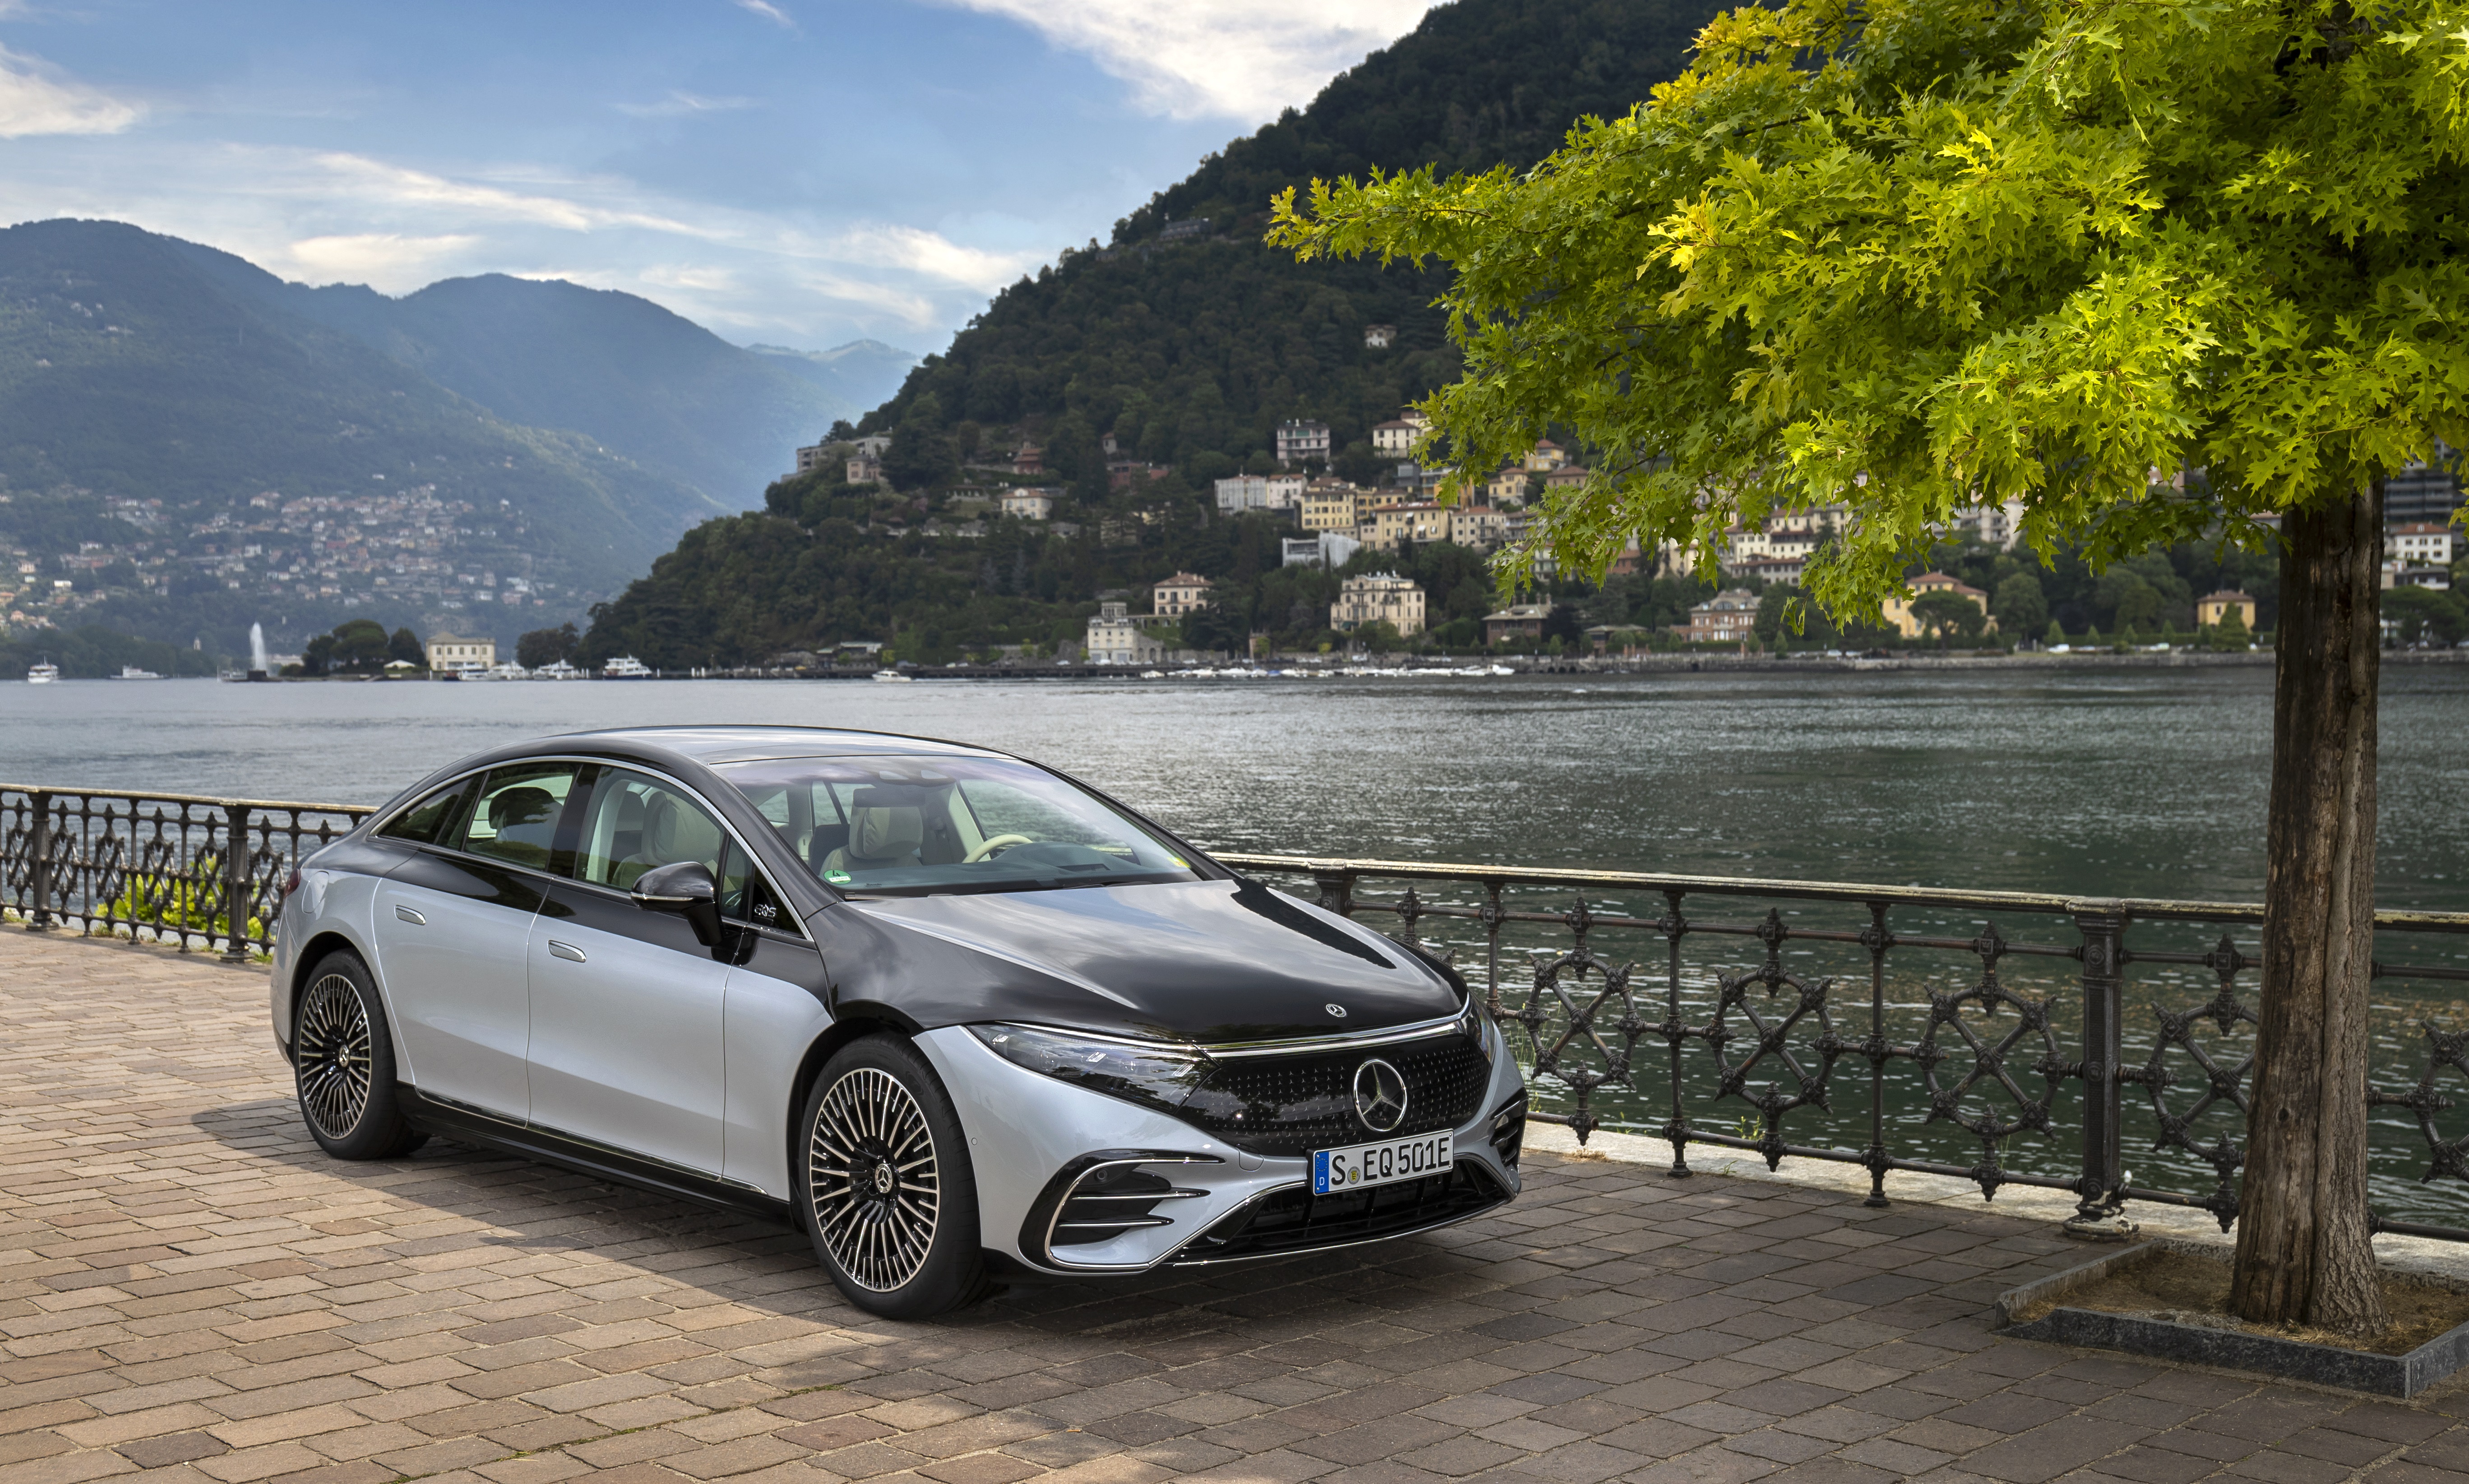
<point>410,916</point>
<point>1054,1222</point>
<point>1234,1050</point>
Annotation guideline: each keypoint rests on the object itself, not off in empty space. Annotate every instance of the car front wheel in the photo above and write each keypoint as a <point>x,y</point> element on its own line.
<point>343,1061</point>
<point>884,1187</point>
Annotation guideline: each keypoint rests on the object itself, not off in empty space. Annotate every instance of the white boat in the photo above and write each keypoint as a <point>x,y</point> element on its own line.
<point>509,671</point>
<point>42,672</point>
<point>132,672</point>
<point>894,676</point>
<point>557,670</point>
<point>625,667</point>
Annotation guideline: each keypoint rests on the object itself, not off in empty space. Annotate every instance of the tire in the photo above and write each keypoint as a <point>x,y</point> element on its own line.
<point>342,1062</point>
<point>884,1189</point>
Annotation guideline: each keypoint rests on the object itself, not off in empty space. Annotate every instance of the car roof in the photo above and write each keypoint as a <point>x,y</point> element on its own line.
<point>713,746</point>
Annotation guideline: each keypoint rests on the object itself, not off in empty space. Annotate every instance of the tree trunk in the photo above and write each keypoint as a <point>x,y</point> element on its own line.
<point>2303,1256</point>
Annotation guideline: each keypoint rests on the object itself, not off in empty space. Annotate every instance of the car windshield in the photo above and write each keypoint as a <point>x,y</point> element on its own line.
<point>919,826</point>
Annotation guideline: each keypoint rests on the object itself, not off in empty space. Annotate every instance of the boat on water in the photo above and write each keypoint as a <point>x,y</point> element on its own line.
<point>557,670</point>
<point>132,672</point>
<point>625,667</point>
<point>509,671</point>
<point>42,672</point>
<point>895,677</point>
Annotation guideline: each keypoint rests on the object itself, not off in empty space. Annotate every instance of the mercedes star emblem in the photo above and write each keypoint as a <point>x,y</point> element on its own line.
<point>1379,1095</point>
<point>1338,1011</point>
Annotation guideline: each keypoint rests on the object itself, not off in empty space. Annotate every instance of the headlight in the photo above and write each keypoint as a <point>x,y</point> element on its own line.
<point>1478,1025</point>
<point>1158,1076</point>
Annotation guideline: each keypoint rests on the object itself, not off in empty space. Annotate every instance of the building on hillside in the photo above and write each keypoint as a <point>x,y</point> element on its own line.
<point>1114,639</point>
<point>1378,597</point>
<point>1379,337</point>
<point>1189,229</point>
<point>1029,503</point>
<point>1028,459</point>
<point>1395,437</point>
<point>1508,484</point>
<point>453,652</point>
<point>1991,525</point>
<point>1329,549</point>
<point>2423,491</point>
<point>2212,609</point>
<point>1242,492</point>
<point>1729,617</point>
<point>1284,491</point>
<point>1124,474</point>
<point>1180,594</point>
<point>1769,569</point>
<point>862,470</point>
<point>1298,441</point>
<point>2420,543</point>
<point>1565,476</point>
<point>1545,456</point>
<point>1517,621</point>
<point>812,458</point>
<point>1899,610</point>
<point>1330,504</point>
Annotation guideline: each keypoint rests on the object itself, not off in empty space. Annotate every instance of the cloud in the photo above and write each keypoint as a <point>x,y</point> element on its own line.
<point>1233,58</point>
<point>382,258</point>
<point>393,185</point>
<point>928,253</point>
<point>679,106</point>
<point>769,11</point>
<point>34,99</point>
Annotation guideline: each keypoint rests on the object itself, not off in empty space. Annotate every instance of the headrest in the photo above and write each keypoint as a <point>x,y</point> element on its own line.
<point>884,833</point>
<point>509,807</point>
<point>675,831</point>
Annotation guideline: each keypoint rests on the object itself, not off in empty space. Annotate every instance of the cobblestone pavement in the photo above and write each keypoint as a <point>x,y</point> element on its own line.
<point>188,1288</point>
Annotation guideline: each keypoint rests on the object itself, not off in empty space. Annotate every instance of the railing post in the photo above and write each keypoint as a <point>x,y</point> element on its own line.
<point>2103,926</point>
<point>1336,891</point>
<point>237,895</point>
<point>39,872</point>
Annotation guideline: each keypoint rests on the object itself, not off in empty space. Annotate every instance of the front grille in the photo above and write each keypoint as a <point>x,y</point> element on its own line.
<point>1294,1219</point>
<point>1296,1104</point>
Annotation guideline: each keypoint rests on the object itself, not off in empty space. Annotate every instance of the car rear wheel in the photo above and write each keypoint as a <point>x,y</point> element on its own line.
<point>342,1062</point>
<point>885,1188</point>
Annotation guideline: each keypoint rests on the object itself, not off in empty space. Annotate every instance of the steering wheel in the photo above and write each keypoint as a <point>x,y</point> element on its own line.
<point>999,842</point>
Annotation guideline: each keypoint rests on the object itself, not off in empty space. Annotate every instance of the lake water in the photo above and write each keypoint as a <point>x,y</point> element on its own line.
<point>2095,782</point>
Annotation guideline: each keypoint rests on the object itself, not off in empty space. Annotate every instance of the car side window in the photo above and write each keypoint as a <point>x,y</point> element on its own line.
<point>635,823</point>
<point>515,817</point>
<point>425,821</point>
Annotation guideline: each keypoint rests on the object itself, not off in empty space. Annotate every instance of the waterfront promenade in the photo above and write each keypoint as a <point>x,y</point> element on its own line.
<point>189,1289</point>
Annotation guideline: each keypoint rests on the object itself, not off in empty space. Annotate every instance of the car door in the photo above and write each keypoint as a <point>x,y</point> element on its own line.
<point>453,921</point>
<point>774,1009</point>
<point>625,1004</point>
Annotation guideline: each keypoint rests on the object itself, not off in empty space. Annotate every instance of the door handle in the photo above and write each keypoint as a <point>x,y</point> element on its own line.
<point>409,914</point>
<point>566,950</point>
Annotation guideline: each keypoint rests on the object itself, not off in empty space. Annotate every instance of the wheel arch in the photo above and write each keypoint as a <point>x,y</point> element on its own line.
<point>313,953</point>
<point>850,1022</point>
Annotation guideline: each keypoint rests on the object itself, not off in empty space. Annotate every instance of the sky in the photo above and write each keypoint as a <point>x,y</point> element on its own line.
<point>798,172</point>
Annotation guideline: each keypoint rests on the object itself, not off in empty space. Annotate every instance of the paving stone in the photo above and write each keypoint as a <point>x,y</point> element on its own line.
<point>198,1294</point>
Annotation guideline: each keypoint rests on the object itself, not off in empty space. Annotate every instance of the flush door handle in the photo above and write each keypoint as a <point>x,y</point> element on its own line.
<point>565,951</point>
<point>409,915</point>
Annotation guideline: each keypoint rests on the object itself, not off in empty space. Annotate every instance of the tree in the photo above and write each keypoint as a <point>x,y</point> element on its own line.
<point>1563,623</point>
<point>405,647</point>
<point>546,647</point>
<point>2230,634</point>
<point>2056,635</point>
<point>2020,605</point>
<point>1910,257</point>
<point>1949,615</point>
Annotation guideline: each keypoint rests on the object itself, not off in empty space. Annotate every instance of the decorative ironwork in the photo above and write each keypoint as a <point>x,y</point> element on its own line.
<point>2016,1074</point>
<point>203,873</point>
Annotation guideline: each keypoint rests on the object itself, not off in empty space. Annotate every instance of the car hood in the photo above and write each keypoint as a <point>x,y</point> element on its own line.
<point>1204,961</point>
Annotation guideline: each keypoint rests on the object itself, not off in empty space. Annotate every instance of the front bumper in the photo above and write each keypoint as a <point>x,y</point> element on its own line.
<point>1055,1163</point>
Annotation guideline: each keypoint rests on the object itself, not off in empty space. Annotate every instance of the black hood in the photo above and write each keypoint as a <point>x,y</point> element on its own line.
<point>1202,961</point>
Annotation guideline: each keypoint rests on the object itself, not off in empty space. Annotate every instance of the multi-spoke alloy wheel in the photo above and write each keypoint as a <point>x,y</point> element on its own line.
<point>334,1056</point>
<point>874,1180</point>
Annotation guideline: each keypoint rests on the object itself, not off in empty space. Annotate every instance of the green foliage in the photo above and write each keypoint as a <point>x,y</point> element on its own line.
<point>1911,257</point>
<point>1949,615</point>
<point>546,647</point>
<point>2055,636</point>
<point>94,652</point>
<point>359,646</point>
<point>176,903</point>
<point>2415,616</point>
<point>2019,604</point>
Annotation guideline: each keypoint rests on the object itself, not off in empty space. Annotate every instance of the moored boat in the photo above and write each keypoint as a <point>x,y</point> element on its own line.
<point>625,667</point>
<point>42,672</point>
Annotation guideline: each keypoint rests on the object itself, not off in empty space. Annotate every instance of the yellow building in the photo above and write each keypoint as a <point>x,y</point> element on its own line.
<point>2212,608</point>
<point>448,652</point>
<point>1179,595</point>
<point>1899,610</point>
<point>1382,597</point>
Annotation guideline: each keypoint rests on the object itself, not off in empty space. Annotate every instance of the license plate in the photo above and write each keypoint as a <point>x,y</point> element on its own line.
<point>1354,1168</point>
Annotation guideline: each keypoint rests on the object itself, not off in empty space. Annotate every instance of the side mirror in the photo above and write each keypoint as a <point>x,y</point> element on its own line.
<point>686,889</point>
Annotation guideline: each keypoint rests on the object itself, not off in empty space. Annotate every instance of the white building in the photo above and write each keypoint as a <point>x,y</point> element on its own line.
<point>1395,437</point>
<point>1114,639</point>
<point>1376,598</point>
<point>1329,549</point>
<point>1242,492</point>
<point>2420,543</point>
<point>1379,337</point>
<point>1180,594</point>
<point>1298,440</point>
<point>1030,504</point>
<point>1284,491</point>
<point>450,652</point>
<point>1991,525</point>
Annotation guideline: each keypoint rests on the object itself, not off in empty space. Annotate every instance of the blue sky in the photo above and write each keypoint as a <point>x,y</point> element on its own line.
<point>797,172</point>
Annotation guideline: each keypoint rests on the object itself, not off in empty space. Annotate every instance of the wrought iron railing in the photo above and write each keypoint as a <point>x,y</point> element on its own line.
<point>1726,1027</point>
<point>157,865</point>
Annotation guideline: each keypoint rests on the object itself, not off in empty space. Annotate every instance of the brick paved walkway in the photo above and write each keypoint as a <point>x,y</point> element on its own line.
<point>189,1288</point>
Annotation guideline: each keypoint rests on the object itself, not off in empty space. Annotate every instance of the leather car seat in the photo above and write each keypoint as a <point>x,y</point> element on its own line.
<point>524,820</point>
<point>882,837</point>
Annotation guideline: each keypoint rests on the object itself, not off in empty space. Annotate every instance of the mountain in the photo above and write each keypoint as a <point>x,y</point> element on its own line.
<point>1186,341</point>
<point>188,454</point>
<point>641,381</point>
